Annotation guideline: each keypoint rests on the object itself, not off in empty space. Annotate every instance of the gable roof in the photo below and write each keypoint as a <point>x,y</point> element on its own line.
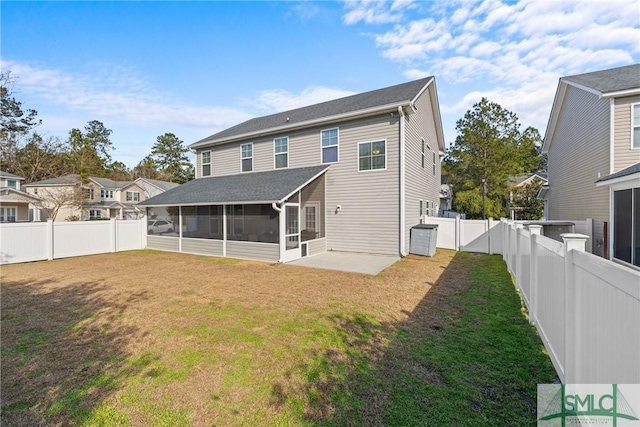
<point>60,180</point>
<point>519,180</point>
<point>8,190</point>
<point>163,185</point>
<point>362,104</point>
<point>4,174</point>
<point>611,83</point>
<point>257,187</point>
<point>73,179</point>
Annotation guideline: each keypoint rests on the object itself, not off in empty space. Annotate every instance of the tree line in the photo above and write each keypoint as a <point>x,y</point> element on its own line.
<point>86,152</point>
<point>489,151</point>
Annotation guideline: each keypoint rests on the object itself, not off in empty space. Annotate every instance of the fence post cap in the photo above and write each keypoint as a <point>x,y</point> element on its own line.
<point>534,228</point>
<point>573,236</point>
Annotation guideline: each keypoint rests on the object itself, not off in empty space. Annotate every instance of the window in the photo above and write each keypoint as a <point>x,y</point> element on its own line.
<point>626,225</point>
<point>12,183</point>
<point>281,150</point>
<point>88,193</point>
<point>7,214</point>
<point>434,163</point>
<point>106,194</point>
<point>133,196</point>
<point>330,145</point>
<point>246,153</point>
<point>94,213</point>
<point>422,150</point>
<point>372,155</point>
<point>421,211</point>
<point>206,163</point>
<point>635,137</point>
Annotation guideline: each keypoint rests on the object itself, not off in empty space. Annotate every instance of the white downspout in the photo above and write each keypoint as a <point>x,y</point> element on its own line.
<point>402,195</point>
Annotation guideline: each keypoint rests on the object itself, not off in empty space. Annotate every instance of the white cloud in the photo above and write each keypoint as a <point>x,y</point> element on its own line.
<point>511,52</point>
<point>120,94</point>
<point>277,100</point>
<point>375,11</point>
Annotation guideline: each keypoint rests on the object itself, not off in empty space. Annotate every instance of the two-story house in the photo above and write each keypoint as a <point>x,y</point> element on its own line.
<point>15,204</point>
<point>94,198</point>
<point>352,174</point>
<point>594,133</point>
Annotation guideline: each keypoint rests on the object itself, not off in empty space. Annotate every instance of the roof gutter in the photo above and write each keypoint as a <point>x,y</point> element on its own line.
<point>338,117</point>
<point>402,186</point>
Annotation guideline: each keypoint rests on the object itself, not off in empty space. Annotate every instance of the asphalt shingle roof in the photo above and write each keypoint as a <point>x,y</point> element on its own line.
<point>608,81</point>
<point>624,172</point>
<point>66,179</point>
<point>244,188</point>
<point>362,101</point>
<point>164,185</point>
<point>4,174</point>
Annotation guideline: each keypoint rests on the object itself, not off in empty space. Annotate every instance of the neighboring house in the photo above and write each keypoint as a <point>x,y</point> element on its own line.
<point>15,204</point>
<point>593,132</point>
<point>446,198</point>
<point>96,197</point>
<point>534,178</point>
<point>352,174</point>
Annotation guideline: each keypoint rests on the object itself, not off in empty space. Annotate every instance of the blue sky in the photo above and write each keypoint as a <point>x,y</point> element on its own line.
<point>195,68</point>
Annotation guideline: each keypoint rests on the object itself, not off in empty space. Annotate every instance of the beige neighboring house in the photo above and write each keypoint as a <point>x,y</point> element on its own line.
<point>539,178</point>
<point>15,204</point>
<point>353,174</point>
<point>96,197</point>
<point>593,133</point>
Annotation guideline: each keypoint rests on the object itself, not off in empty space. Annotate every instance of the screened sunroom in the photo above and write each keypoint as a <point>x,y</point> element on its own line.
<point>275,216</point>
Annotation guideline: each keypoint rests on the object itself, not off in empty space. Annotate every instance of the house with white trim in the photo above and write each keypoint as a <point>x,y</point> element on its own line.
<point>96,197</point>
<point>15,204</point>
<point>594,133</point>
<point>352,174</point>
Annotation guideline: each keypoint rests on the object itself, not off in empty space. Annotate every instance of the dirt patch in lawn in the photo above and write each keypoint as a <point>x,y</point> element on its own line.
<point>153,338</point>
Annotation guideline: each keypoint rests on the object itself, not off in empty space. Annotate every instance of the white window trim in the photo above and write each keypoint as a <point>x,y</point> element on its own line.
<point>245,158</point>
<point>632,127</point>
<point>202,163</point>
<point>435,163</point>
<point>423,146</point>
<point>99,211</point>
<point>284,152</point>
<point>316,205</point>
<point>337,146</point>
<point>133,199</point>
<point>15,183</point>
<point>4,213</point>
<point>386,153</point>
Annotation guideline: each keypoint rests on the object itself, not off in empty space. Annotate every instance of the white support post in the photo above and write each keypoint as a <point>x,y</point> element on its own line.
<point>533,272</point>
<point>572,241</point>
<point>458,233</point>
<point>114,235</point>
<point>179,228</point>
<point>488,226</point>
<point>224,230</point>
<point>50,239</point>
<point>518,260</point>
<point>143,232</point>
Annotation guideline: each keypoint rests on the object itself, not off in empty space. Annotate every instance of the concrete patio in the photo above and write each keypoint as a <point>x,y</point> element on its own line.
<point>352,262</point>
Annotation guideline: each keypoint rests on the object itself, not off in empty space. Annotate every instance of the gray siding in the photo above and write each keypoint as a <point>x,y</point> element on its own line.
<point>624,156</point>
<point>163,243</point>
<point>316,246</point>
<point>420,183</point>
<point>369,219</point>
<point>202,246</point>
<point>578,156</point>
<point>251,250</point>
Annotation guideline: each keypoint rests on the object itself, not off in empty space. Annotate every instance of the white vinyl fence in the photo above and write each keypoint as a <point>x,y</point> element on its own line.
<point>586,308</point>
<point>35,241</point>
<point>468,235</point>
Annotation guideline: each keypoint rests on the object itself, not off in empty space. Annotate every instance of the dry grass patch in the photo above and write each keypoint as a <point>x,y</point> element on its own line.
<point>152,338</point>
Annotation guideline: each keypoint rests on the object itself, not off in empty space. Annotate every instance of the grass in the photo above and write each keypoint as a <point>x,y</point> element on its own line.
<point>180,340</point>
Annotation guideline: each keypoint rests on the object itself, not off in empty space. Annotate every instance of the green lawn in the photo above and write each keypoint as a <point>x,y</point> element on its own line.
<point>431,341</point>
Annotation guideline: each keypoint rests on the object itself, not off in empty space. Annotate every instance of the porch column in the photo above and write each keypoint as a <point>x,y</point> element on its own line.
<point>224,230</point>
